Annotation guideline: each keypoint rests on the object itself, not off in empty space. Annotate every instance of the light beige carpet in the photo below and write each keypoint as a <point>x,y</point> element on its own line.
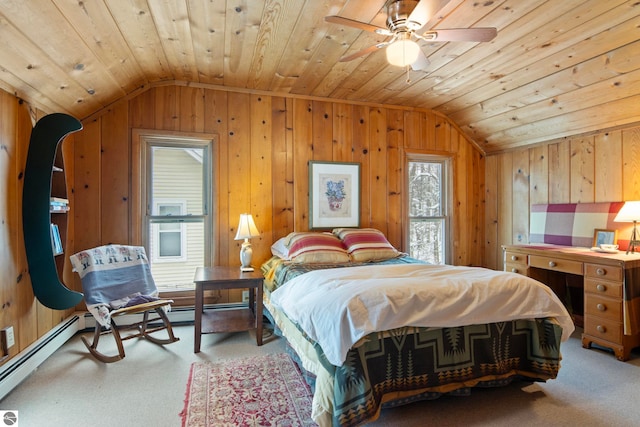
<point>147,388</point>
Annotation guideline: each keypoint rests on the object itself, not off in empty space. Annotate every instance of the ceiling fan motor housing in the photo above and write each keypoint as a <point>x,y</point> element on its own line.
<point>398,12</point>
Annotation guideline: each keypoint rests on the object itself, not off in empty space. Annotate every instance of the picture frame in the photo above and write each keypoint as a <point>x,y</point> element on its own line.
<point>334,194</point>
<point>604,237</point>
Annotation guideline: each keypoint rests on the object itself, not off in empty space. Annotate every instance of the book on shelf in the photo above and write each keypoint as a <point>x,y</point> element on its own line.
<point>58,204</point>
<point>58,208</point>
<point>58,201</point>
<point>56,241</point>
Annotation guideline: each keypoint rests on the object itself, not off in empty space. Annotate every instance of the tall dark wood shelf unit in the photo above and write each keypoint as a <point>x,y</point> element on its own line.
<point>44,177</point>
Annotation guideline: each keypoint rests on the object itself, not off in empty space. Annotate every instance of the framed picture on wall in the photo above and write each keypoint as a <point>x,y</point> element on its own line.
<point>604,237</point>
<point>334,194</point>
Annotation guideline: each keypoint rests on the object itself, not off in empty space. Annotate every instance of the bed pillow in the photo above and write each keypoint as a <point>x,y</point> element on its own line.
<point>280,249</point>
<point>366,244</point>
<point>315,248</point>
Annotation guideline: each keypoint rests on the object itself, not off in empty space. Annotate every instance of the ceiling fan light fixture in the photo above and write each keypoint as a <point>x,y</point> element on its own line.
<point>402,52</point>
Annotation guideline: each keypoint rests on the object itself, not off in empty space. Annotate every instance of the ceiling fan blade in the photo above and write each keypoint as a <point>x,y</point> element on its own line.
<point>461,35</point>
<point>421,63</point>
<point>364,52</point>
<point>425,10</point>
<point>357,24</point>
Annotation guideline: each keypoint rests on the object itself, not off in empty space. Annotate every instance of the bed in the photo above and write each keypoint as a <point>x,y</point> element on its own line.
<point>372,328</point>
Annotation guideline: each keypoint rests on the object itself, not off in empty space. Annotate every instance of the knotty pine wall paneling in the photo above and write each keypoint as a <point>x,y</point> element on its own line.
<point>361,153</point>
<point>395,172</point>
<point>560,172</point>
<point>585,169</point>
<point>263,149</point>
<point>10,154</point>
<point>18,306</point>
<point>16,275</point>
<point>631,163</point>
<point>377,170</point>
<point>282,174</point>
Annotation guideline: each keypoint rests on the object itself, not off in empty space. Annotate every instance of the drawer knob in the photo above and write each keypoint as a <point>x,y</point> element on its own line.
<point>552,264</point>
<point>514,258</point>
<point>601,288</point>
<point>601,329</point>
<point>601,271</point>
<point>601,307</point>
<point>514,270</point>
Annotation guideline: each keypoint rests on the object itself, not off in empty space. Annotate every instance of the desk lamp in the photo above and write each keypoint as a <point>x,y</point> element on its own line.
<point>630,212</point>
<point>246,230</point>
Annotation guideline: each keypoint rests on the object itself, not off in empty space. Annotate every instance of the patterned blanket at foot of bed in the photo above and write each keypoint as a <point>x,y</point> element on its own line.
<point>408,364</point>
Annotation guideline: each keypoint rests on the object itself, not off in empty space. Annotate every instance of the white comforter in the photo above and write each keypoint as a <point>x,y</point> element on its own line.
<point>337,307</point>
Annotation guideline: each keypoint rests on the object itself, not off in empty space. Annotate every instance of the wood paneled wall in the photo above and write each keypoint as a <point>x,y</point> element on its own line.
<point>264,145</point>
<point>18,306</point>
<point>598,168</point>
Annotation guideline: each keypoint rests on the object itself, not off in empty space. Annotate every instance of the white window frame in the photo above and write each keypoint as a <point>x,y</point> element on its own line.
<point>446,197</point>
<point>142,140</point>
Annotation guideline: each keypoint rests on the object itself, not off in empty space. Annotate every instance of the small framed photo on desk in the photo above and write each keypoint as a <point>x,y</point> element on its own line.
<point>604,237</point>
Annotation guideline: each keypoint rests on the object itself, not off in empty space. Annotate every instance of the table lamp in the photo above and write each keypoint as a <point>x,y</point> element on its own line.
<point>630,212</point>
<point>246,230</point>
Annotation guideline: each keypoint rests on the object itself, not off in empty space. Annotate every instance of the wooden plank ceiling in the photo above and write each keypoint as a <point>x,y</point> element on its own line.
<point>556,68</point>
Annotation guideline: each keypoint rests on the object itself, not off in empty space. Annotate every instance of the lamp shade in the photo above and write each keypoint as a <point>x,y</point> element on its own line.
<point>402,53</point>
<point>630,212</point>
<point>246,227</point>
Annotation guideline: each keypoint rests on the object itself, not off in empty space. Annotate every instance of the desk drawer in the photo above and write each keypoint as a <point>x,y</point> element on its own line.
<point>517,268</point>
<point>515,258</point>
<point>606,308</point>
<point>555,264</point>
<point>608,272</point>
<point>604,329</point>
<point>603,287</point>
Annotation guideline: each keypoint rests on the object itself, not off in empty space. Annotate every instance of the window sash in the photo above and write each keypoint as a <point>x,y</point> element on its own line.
<point>434,251</point>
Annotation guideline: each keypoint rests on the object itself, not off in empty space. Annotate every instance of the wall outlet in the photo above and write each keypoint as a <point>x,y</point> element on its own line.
<point>8,339</point>
<point>245,296</point>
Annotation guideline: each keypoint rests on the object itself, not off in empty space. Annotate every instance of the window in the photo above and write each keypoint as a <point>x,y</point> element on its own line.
<point>428,221</point>
<point>175,194</point>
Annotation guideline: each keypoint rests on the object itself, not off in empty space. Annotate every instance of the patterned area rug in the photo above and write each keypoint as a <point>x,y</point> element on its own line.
<point>257,391</point>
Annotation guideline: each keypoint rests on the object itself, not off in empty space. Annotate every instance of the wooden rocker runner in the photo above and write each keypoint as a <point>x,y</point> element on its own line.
<point>117,281</point>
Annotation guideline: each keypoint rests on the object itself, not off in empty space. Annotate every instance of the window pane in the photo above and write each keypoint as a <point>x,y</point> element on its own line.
<point>177,173</point>
<point>177,270</point>
<point>427,240</point>
<point>425,189</point>
<point>168,210</point>
<point>170,244</point>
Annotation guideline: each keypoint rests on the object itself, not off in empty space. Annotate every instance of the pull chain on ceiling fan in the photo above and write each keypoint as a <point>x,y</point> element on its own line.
<point>406,20</point>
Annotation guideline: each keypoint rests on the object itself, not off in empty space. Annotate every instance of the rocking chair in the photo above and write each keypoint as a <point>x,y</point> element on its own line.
<point>117,281</point>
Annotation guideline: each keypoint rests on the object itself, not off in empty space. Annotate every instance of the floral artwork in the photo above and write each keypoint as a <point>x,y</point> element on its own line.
<point>334,194</point>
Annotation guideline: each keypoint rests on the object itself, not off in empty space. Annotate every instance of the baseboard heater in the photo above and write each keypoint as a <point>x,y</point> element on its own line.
<point>18,368</point>
<point>23,364</point>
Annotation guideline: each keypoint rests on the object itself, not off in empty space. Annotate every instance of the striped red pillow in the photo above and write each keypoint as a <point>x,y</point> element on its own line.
<point>315,248</point>
<point>366,244</point>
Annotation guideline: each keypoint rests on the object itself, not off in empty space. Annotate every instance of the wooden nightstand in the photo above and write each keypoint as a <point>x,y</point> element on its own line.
<point>227,320</point>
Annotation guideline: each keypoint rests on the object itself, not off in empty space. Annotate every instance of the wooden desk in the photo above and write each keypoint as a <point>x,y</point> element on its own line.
<point>610,289</point>
<point>227,320</point>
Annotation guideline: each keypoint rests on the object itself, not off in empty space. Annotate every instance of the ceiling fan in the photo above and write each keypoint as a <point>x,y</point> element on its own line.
<point>406,20</point>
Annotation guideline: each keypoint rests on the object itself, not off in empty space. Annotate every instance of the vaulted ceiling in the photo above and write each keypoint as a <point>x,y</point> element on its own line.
<point>557,68</point>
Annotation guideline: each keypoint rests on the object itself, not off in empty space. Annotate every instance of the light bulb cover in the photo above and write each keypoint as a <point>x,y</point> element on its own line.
<point>402,52</point>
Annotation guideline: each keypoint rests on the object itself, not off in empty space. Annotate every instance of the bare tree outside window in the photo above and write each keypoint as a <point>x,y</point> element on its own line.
<point>427,210</point>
